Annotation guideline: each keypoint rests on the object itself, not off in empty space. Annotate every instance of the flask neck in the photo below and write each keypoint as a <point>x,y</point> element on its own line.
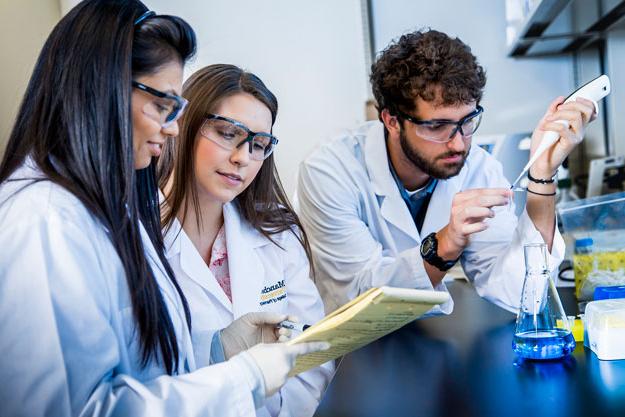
<point>536,261</point>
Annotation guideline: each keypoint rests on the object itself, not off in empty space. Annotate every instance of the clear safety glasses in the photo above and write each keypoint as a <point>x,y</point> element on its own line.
<point>165,108</point>
<point>230,134</point>
<point>442,131</point>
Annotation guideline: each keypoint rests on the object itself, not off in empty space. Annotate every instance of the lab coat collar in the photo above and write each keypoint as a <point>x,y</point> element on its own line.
<point>393,208</point>
<point>377,161</point>
<point>233,220</point>
<point>246,269</point>
<point>191,263</point>
<point>171,239</point>
<point>255,238</point>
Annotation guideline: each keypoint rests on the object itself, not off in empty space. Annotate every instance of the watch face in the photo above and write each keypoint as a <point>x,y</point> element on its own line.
<point>427,246</point>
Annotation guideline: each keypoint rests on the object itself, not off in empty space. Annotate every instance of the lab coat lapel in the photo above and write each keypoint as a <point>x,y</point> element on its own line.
<point>439,209</point>
<point>160,274</point>
<point>175,303</point>
<point>247,273</point>
<point>193,265</point>
<point>393,208</point>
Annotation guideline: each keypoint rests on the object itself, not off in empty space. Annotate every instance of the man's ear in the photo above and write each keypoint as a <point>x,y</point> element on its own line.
<point>390,122</point>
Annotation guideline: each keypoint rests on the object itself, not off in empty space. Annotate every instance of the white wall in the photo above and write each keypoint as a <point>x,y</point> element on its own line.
<point>24,27</point>
<point>309,53</point>
<point>518,91</point>
<point>312,55</point>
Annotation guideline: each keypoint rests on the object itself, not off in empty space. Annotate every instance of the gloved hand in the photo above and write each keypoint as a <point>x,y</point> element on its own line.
<point>252,329</point>
<point>276,361</point>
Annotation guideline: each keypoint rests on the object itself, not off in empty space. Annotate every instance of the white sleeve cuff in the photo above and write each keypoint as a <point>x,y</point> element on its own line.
<point>254,377</point>
<point>422,281</point>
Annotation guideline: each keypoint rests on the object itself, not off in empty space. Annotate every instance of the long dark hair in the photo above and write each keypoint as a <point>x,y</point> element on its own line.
<point>74,123</point>
<point>263,203</point>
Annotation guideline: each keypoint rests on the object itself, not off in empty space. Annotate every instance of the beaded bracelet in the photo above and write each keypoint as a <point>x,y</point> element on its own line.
<point>541,180</point>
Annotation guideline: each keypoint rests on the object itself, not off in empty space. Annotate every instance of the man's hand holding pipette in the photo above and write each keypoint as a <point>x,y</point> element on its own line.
<point>576,115</point>
<point>593,90</point>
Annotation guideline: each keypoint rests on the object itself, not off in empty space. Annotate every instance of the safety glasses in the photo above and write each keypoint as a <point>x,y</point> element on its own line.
<point>165,108</point>
<point>231,134</point>
<point>441,130</point>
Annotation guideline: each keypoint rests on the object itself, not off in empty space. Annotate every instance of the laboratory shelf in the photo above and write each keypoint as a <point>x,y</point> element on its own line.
<point>535,24</point>
<point>532,30</point>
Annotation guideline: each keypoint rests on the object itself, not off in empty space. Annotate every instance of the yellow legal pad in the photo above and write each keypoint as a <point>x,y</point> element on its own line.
<point>366,318</point>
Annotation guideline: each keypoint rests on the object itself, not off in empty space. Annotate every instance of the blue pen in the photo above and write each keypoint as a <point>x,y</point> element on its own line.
<point>287,324</point>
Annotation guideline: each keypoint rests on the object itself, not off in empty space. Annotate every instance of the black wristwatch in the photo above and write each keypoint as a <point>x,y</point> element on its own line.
<point>429,253</point>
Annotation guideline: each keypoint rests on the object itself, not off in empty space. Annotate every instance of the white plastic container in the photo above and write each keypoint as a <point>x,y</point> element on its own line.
<point>604,327</point>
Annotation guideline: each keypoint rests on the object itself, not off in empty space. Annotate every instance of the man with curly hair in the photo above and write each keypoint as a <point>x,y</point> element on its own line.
<point>398,203</point>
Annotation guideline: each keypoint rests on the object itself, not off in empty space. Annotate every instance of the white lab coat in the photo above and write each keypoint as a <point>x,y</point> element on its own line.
<point>68,344</point>
<point>255,265</point>
<point>363,236</point>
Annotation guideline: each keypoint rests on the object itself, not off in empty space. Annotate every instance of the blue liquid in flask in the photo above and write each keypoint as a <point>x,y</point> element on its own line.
<point>542,329</point>
<point>543,344</point>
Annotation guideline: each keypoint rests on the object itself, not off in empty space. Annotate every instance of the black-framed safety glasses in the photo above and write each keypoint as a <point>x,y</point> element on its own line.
<point>166,108</point>
<point>231,134</point>
<point>442,130</point>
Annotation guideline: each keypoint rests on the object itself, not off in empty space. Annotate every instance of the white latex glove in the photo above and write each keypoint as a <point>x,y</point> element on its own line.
<point>276,361</point>
<point>252,329</point>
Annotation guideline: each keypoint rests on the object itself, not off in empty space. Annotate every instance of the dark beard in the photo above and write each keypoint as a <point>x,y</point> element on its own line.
<point>441,173</point>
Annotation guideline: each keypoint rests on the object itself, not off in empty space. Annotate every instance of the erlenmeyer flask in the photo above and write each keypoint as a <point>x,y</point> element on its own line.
<point>542,329</point>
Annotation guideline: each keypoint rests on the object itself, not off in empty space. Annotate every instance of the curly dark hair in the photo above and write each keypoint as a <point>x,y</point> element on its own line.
<point>418,64</point>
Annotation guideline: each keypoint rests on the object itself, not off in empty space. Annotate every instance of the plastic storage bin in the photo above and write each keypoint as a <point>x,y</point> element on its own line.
<point>598,226</point>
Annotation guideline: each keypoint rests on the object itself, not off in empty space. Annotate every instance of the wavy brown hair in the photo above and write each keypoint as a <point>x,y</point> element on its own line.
<point>422,64</point>
<point>263,203</point>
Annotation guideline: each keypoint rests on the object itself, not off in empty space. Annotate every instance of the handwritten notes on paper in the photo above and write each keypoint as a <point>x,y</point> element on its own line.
<point>368,317</point>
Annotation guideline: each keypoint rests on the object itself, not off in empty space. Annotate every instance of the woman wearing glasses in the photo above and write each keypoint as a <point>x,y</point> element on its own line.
<point>92,319</point>
<point>234,242</point>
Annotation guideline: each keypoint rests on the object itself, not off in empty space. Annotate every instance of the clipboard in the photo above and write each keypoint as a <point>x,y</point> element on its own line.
<point>375,313</point>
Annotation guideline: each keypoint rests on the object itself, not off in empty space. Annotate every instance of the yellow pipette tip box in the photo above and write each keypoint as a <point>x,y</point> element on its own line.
<point>577,328</point>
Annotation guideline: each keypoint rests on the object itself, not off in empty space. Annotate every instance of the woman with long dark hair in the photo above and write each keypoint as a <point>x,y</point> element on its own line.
<point>92,319</point>
<point>235,244</point>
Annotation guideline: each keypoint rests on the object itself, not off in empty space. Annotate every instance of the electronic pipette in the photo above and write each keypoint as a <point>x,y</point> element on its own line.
<point>593,90</point>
